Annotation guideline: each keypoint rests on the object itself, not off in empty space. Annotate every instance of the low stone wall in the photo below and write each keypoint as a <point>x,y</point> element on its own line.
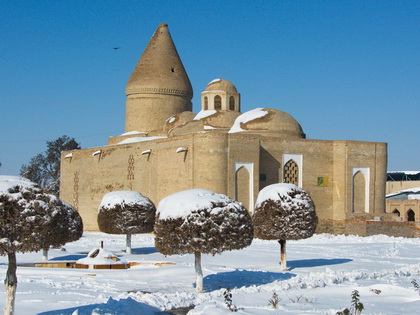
<point>366,228</point>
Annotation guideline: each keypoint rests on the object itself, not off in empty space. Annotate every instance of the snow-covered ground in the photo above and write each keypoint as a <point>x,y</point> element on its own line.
<point>323,272</point>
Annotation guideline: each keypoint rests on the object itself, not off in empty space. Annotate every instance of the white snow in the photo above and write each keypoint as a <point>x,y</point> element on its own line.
<point>99,256</point>
<point>113,198</point>
<point>181,204</point>
<point>181,149</point>
<point>139,139</point>
<point>413,190</point>
<point>246,117</point>
<point>214,81</point>
<point>204,113</point>
<point>324,270</point>
<point>7,182</point>
<point>275,191</point>
<point>133,133</point>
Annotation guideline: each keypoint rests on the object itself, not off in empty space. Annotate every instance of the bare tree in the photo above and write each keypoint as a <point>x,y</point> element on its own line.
<point>126,212</point>
<point>31,221</point>
<point>44,168</point>
<point>199,221</point>
<point>284,212</point>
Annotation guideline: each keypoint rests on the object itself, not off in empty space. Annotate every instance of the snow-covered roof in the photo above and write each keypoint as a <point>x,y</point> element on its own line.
<point>133,133</point>
<point>139,139</point>
<point>415,190</point>
<point>246,117</point>
<point>8,181</point>
<point>205,113</point>
<point>181,204</point>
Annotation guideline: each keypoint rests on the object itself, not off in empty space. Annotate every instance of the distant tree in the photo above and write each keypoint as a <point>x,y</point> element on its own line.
<point>200,221</point>
<point>44,168</point>
<point>126,212</point>
<point>31,221</point>
<point>284,212</point>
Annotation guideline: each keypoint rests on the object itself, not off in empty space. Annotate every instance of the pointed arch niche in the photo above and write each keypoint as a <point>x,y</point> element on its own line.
<point>244,184</point>
<point>292,169</point>
<point>360,189</point>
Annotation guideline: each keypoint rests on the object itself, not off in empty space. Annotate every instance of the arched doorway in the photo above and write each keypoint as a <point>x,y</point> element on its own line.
<point>396,212</point>
<point>411,216</point>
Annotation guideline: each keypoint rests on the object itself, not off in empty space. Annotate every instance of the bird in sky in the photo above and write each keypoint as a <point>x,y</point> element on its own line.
<point>116,48</point>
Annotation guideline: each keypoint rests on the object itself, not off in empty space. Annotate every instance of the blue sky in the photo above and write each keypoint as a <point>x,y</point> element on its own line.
<point>343,69</point>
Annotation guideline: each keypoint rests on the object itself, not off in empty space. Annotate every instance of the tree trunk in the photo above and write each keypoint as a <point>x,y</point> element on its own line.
<point>283,255</point>
<point>45,254</point>
<point>128,244</point>
<point>198,273</point>
<point>11,284</point>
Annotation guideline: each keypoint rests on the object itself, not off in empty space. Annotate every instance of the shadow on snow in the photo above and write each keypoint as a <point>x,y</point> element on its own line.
<point>242,278</point>
<point>68,257</point>
<point>144,250</point>
<point>112,307</point>
<point>315,262</point>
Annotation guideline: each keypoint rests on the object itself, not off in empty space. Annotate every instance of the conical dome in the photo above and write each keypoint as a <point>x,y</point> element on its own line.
<point>160,68</point>
<point>159,86</point>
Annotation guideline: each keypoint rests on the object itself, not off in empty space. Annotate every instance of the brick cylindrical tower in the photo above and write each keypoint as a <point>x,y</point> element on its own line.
<point>159,86</point>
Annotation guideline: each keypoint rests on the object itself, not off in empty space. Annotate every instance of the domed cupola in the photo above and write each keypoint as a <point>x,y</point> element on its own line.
<point>219,95</point>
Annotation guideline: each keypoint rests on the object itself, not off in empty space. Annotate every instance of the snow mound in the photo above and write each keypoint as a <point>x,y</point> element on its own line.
<point>7,182</point>
<point>246,117</point>
<point>126,198</point>
<point>183,203</point>
<point>275,192</point>
<point>99,256</point>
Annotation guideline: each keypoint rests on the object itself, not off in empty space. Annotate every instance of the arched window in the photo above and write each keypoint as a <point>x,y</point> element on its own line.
<point>217,102</point>
<point>206,103</point>
<point>231,103</point>
<point>411,215</point>
<point>396,212</point>
<point>359,188</point>
<point>291,173</point>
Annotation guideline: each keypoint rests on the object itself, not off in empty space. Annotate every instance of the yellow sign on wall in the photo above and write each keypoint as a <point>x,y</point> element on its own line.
<point>322,181</point>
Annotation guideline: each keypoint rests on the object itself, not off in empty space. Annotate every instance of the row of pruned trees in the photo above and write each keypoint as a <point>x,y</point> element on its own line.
<point>199,221</point>
<point>31,220</point>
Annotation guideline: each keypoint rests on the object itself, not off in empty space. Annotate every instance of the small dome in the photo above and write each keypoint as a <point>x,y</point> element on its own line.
<point>178,119</point>
<point>268,120</point>
<point>217,119</point>
<point>221,85</point>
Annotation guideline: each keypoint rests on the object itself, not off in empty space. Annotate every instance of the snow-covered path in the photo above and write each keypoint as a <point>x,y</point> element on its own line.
<point>323,272</point>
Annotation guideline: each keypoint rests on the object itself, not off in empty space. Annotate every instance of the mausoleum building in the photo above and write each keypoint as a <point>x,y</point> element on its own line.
<point>167,148</point>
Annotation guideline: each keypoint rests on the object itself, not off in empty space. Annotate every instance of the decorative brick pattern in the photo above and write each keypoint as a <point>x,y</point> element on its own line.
<point>76,190</point>
<point>130,168</point>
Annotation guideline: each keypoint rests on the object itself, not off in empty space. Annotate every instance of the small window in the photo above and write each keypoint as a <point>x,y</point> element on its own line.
<point>217,102</point>
<point>231,103</point>
<point>206,103</point>
<point>263,177</point>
